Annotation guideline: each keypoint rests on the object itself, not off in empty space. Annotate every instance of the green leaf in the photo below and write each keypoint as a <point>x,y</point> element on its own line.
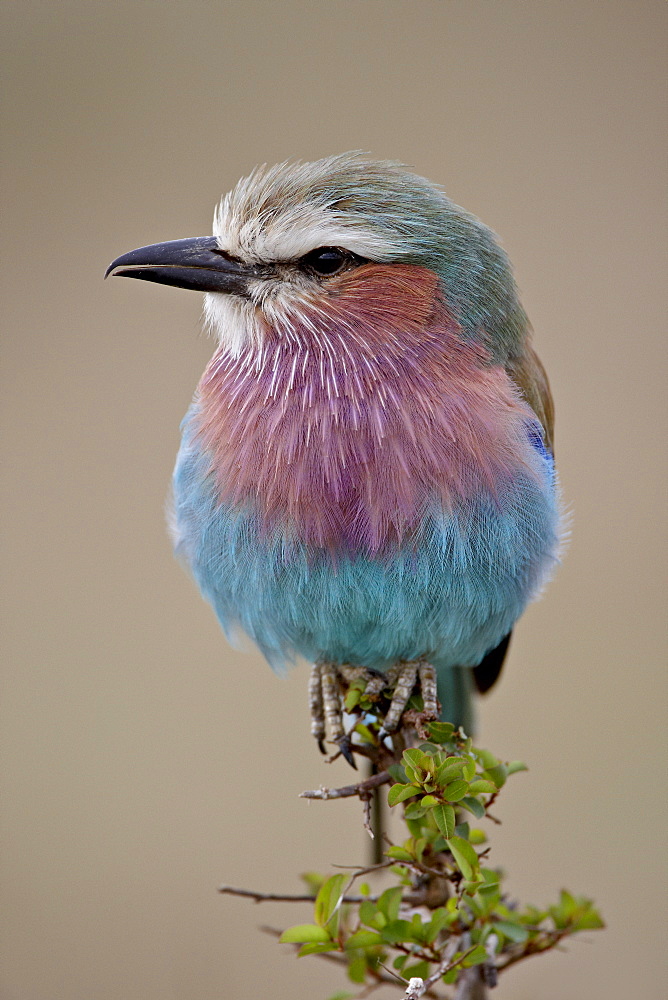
<point>575,913</point>
<point>514,932</point>
<point>481,786</point>
<point>418,971</point>
<point>473,805</point>
<point>428,801</point>
<point>445,820</point>
<point>532,915</point>
<point>390,901</point>
<point>420,846</point>
<point>591,920</point>
<point>456,790</point>
<point>363,939</point>
<point>402,872</point>
<point>352,699</point>
<point>474,901</point>
<point>302,933</point>
<point>414,811</point>
<point>397,930</point>
<point>561,914</point>
<point>414,826</point>
<point>492,876</point>
<point>397,772</point>
<point>399,854</point>
<point>497,774</point>
<point>416,759</point>
<point>365,733</point>
<point>516,765</point>
<point>367,911</point>
<point>469,770</point>
<point>471,886</point>
<point>451,767</point>
<point>465,857</point>
<point>439,919</point>
<point>399,793</point>
<point>357,968</point>
<point>440,732</point>
<point>476,957</point>
<point>315,948</point>
<point>328,900</point>
<point>568,902</point>
<point>486,758</point>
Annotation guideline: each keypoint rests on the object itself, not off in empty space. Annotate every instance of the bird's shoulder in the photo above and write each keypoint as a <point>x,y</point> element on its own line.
<point>527,372</point>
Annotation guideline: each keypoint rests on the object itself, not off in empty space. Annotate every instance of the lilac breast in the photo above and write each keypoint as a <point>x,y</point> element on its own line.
<point>363,411</point>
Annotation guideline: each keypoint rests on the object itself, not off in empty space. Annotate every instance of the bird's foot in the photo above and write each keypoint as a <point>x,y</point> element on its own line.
<point>328,681</point>
<point>365,691</point>
<point>407,676</point>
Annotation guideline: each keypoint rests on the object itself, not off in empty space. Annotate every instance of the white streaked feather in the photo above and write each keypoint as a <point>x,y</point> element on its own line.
<point>275,214</point>
<point>234,322</point>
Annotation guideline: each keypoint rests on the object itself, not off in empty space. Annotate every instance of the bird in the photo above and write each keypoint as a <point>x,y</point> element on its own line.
<point>366,474</point>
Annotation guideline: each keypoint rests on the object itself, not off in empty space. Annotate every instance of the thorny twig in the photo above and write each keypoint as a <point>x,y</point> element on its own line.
<point>275,897</point>
<point>366,802</point>
<point>365,871</point>
<point>347,791</point>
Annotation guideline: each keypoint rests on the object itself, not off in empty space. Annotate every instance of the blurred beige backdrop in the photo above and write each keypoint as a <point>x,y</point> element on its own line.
<point>124,123</point>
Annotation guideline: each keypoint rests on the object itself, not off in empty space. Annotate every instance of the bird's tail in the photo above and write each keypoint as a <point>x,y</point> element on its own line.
<point>455,693</point>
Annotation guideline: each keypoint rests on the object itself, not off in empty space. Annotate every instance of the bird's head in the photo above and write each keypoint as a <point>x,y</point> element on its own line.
<point>317,238</point>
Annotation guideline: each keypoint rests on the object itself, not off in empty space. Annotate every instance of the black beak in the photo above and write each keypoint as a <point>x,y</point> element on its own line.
<point>196,263</point>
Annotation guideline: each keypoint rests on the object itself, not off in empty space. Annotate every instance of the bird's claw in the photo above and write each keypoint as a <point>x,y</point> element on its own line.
<point>345,745</point>
<point>328,680</point>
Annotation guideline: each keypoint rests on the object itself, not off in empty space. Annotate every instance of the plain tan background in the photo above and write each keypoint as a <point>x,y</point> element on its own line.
<point>131,788</point>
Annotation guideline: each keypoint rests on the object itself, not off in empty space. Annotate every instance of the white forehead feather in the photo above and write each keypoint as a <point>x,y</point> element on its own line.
<point>282,212</point>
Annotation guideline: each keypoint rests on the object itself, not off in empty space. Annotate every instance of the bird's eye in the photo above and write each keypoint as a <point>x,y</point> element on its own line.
<point>326,260</point>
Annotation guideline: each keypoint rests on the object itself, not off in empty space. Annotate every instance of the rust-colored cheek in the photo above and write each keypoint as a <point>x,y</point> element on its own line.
<point>404,296</point>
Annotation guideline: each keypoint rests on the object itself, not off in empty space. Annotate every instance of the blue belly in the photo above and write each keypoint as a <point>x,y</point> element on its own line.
<point>451,595</point>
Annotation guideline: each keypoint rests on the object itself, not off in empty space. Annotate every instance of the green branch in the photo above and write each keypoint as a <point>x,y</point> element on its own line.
<point>447,918</point>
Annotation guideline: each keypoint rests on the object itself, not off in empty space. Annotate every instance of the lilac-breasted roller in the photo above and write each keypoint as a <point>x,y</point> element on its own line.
<point>366,475</point>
